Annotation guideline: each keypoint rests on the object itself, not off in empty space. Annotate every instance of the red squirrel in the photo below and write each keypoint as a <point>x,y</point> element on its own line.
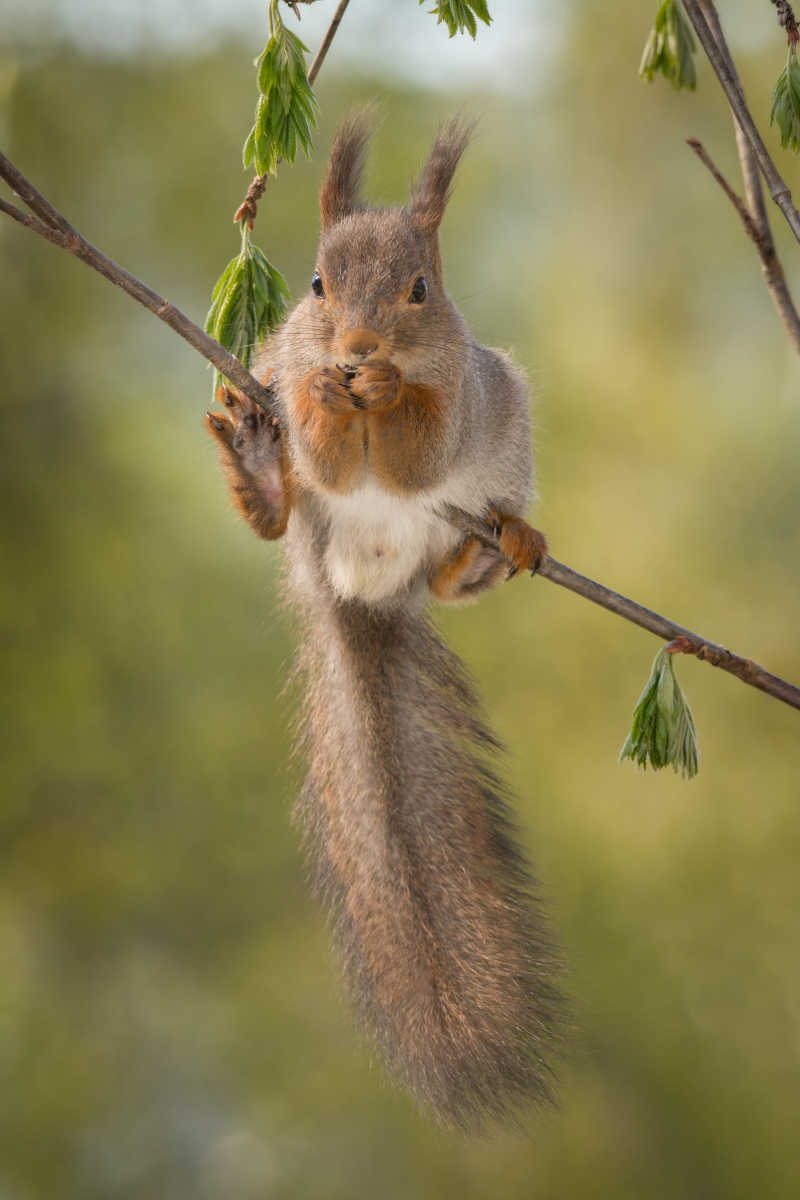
<point>388,410</point>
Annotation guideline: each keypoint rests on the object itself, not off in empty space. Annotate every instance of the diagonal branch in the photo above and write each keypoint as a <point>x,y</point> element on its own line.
<point>719,57</point>
<point>325,46</point>
<point>57,229</point>
<point>761,237</point>
<point>684,640</point>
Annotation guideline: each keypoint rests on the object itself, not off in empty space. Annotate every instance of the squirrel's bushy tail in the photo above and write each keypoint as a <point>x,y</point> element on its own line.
<point>449,959</point>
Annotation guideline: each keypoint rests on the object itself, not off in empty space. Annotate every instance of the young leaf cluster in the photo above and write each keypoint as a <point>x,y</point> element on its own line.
<point>286,108</point>
<point>663,732</point>
<point>786,102</point>
<point>670,47</point>
<point>249,299</point>
<point>459,15</point>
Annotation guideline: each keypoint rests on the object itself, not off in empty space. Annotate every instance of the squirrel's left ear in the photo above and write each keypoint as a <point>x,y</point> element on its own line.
<point>432,190</point>
<point>341,187</point>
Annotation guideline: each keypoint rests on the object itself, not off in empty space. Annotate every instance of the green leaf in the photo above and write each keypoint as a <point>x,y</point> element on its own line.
<point>459,15</point>
<point>286,110</point>
<point>786,103</point>
<point>670,48</point>
<point>663,732</point>
<point>249,299</point>
<point>249,148</point>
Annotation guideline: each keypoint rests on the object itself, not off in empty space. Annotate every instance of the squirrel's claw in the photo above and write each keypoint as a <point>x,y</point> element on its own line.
<point>523,546</point>
<point>240,405</point>
<point>220,427</point>
<point>328,387</point>
<point>375,385</point>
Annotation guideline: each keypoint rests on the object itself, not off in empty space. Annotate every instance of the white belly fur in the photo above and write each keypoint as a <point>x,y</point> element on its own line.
<point>378,541</point>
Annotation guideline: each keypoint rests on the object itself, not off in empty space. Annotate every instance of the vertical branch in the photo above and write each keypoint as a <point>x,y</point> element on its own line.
<point>732,88</point>
<point>750,172</point>
<point>326,41</point>
<point>757,227</point>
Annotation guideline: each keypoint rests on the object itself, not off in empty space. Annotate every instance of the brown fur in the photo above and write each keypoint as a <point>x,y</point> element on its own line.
<point>432,190</point>
<point>469,570</point>
<point>387,403</point>
<point>400,440</point>
<point>332,429</point>
<point>255,460</point>
<point>524,547</point>
<point>449,960</point>
<point>339,195</point>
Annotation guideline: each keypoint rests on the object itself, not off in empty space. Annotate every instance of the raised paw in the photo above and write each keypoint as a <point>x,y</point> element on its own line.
<point>246,432</point>
<point>375,385</point>
<point>329,388</point>
<point>524,547</point>
<point>253,460</point>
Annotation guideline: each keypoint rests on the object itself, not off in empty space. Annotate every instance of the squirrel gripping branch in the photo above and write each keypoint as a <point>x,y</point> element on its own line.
<point>389,411</point>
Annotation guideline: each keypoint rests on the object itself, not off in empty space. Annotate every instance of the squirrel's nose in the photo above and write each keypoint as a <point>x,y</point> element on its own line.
<point>360,343</point>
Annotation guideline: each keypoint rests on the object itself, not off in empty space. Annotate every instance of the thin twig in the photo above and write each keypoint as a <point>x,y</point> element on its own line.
<point>750,226</point>
<point>249,206</point>
<point>771,266</point>
<point>773,271</point>
<point>685,640</point>
<point>750,172</point>
<point>778,188</point>
<point>326,41</point>
<point>788,21</point>
<point>58,230</point>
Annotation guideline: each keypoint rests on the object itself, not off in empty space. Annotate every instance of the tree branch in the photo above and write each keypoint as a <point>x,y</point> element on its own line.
<point>55,228</point>
<point>58,230</point>
<point>762,239</point>
<point>719,57</point>
<point>326,41</point>
<point>682,640</point>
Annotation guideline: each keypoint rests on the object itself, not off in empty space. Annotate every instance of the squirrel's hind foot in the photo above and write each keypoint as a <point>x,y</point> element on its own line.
<point>524,547</point>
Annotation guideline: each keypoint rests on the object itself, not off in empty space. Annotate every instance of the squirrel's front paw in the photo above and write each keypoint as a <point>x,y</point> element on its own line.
<point>246,432</point>
<point>253,460</point>
<point>376,386</point>
<point>250,440</point>
<point>328,387</point>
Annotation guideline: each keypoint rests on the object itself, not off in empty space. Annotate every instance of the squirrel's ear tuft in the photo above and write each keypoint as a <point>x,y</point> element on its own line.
<point>432,190</point>
<point>342,182</point>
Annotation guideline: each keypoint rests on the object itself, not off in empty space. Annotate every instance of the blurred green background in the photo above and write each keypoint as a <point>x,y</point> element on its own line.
<point>171,1022</point>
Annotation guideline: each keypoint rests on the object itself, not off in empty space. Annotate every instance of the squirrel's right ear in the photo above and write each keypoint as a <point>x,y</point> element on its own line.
<point>342,183</point>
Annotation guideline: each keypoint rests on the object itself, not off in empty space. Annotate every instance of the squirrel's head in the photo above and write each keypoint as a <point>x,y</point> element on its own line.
<point>376,290</point>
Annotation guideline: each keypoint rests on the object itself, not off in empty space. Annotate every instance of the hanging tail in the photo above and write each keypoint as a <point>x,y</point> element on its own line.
<point>448,956</point>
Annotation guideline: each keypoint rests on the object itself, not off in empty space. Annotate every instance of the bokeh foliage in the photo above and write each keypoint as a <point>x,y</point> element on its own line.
<point>169,1017</point>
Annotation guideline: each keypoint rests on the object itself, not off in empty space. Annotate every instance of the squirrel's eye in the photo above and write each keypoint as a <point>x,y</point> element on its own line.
<point>418,292</point>
<point>316,284</point>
